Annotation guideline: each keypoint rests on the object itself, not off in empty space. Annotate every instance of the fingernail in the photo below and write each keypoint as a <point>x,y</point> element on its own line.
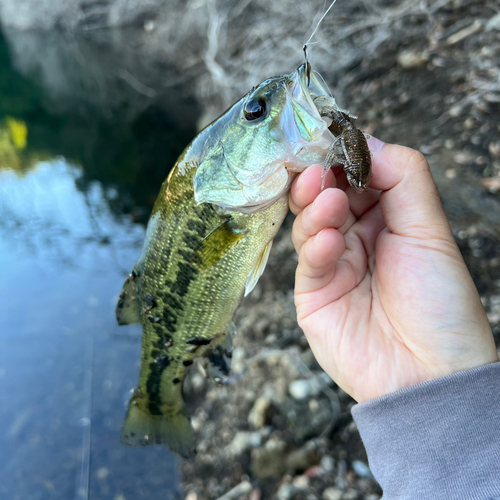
<point>375,144</point>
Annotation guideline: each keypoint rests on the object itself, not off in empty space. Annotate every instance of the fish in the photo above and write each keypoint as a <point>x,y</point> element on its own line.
<point>208,241</point>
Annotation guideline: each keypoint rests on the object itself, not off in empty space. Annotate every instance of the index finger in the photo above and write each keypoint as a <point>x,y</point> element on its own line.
<point>305,187</point>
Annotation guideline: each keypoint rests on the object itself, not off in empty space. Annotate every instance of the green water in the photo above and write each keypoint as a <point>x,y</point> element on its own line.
<point>80,166</point>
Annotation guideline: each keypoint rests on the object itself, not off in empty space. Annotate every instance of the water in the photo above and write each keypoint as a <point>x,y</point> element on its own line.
<point>78,176</point>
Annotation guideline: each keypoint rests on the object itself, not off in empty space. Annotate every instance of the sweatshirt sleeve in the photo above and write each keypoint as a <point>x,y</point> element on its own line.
<point>437,440</point>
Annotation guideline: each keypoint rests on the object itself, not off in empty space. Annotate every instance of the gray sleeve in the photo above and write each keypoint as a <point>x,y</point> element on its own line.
<point>437,440</point>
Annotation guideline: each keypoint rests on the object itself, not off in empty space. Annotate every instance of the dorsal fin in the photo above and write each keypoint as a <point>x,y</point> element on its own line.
<point>127,309</point>
<point>258,269</point>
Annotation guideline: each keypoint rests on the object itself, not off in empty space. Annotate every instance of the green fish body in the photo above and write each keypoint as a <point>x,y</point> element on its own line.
<point>207,243</point>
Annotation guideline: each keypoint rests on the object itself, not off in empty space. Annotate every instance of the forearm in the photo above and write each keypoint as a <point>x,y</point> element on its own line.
<point>437,440</point>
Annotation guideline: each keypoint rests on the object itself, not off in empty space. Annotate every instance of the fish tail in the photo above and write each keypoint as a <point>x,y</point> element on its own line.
<point>141,428</point>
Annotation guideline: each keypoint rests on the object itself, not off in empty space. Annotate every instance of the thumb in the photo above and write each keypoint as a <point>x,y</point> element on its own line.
<point>409,200</point>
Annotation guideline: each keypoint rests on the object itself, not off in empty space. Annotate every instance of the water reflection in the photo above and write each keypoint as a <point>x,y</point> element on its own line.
<point>65,371</point>
<point>44,216</point>
<point>76,176</point>
<point>71,96</point>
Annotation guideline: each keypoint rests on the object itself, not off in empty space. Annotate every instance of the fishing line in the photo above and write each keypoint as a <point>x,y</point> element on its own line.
<point>304,47</point>
<point>319,22</point>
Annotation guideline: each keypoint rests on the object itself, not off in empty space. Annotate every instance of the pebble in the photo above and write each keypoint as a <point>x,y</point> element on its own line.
<point>301,459</point>
<point>361,469</point>
<point>286,492</point>
<point>303,388</point>
<point>340,481</point>
<point>470,123</point>
<point>242,442</point>
<point>332,494</point>
<point>255,495</point>
<point>198,420</point>
<point>462,158</point>
<point>258,414</point>
<point>269,461</point>
<point>149,26</point>
<point>301,482</point>
<point>327,463</point>
<point>411,59</point>
<point>494,148</point>
<point>492,184</point>
<point>313,405</point>
<point>271,339</point>
<point>238,360</point>
<point>350,494</point>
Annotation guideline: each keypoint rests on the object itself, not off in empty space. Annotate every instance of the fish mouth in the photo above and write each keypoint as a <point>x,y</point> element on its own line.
<point>302,80</point>
<point>304,75</point>
<point>306,85</point>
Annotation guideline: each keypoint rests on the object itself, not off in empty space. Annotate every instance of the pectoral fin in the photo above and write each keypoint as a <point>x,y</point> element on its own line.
<point>218,242</point>
<point>127,309</point>
<point>258,269</point>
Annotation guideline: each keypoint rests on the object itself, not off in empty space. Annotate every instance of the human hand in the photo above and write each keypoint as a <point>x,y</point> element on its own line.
<point>382,292</point>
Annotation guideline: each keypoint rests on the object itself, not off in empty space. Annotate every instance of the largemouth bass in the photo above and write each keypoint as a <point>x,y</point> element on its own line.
<point>208,241</point>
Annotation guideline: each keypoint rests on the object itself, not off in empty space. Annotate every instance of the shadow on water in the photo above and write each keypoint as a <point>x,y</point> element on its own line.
<point>84,147</point>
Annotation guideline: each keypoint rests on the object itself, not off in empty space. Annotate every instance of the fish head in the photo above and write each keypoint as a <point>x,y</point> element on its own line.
<point>262,142</point>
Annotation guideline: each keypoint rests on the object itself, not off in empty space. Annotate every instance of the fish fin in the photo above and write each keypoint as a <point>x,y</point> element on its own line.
<point>174,431</point>
<point>218,242</point>
<point>127,309</point>
<point>217,361</point>
<point>258,269</point>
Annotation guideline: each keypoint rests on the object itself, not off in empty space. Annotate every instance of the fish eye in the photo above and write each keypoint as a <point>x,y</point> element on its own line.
<point>255,109</point>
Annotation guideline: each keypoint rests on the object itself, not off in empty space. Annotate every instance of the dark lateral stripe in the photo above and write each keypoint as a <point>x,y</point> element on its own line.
<point>187,272</point>
<point>196,226</point>
<point>169,320</point>
<point>192,241</point>
<point>172,295</point>
<point>153,388</point>
<point>163,361</point>
<point>172,301</point>
<point>199,341</point>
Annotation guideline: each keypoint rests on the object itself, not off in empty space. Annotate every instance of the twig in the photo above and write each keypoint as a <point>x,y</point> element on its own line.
<point>136,84</point>
<point>241,489</point>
